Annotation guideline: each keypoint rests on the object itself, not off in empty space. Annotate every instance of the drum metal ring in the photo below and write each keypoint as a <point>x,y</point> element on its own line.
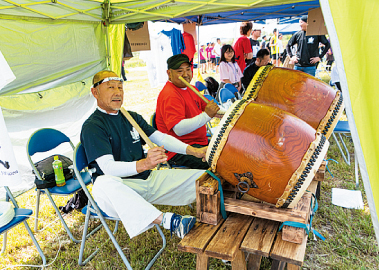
<point>241,189</point>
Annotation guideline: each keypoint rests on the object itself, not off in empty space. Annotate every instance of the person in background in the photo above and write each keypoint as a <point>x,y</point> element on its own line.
<point>213,58</point>
<point>208,49</point>
<point>281,48</point>
<point>254,44</point>
<point>274,48</point>
<point>230,71</point>
<point>264,42</point>
<point>203,57</point>
<point>263,59</point>
<point>217,52</point>
<point>307,54</point>
<point>242,47</point>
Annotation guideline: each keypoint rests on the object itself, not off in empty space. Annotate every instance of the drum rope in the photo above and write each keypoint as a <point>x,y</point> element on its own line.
<point>222,205</point>
<point>326,166</point>
<point>307,227</point>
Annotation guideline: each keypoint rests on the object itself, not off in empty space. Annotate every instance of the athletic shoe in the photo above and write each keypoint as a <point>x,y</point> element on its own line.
<point>181,225</point>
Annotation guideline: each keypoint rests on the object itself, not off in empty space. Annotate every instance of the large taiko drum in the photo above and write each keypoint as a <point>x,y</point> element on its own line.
<point>266,152</point>
<point>299,93</point>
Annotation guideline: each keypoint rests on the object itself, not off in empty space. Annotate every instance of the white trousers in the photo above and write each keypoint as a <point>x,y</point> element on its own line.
<point>131,199</point>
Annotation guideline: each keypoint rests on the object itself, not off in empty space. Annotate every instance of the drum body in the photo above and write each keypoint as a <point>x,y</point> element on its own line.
<point>299,93</point>
<point>268,153</point>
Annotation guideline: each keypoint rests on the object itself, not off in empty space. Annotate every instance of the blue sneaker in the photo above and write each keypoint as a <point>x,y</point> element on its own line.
<point>181,225</point>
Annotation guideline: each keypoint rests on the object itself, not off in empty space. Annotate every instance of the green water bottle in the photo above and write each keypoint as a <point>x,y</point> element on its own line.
<point>58,171</point>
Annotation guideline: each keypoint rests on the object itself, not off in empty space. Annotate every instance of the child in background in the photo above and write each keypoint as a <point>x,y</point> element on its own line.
<point>203,62</point>
<point>230,71</point>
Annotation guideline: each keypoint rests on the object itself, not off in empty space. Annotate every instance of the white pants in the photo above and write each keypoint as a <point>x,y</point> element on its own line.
<point>131,199</point>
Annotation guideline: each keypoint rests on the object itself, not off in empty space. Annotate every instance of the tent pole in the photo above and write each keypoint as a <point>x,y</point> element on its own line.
<point>325,7</point>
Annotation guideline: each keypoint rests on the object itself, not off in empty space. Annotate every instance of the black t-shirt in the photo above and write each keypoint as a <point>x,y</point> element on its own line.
<point>307,47</point>
<point>248,74</point>
<point>104,134</point>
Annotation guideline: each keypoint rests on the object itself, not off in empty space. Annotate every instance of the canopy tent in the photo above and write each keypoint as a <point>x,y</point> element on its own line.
<point>43,43</point>
<point>257,14</point>
<point>288,29</point>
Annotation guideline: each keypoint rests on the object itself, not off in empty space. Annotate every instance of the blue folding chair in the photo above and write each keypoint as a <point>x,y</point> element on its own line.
<point>199,85</point>
<point>342,129</point>
<point>225,95</point>
<point>209,97</point>
<point>233,89</point>
<point>93,210</point>
<point>21,215</point>
<point>44,140</point>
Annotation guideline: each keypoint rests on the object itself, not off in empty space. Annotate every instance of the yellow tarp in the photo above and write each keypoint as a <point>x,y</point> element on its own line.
<point>357,25</point>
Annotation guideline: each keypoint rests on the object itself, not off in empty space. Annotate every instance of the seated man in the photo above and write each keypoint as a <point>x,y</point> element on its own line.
<point>182,114</point>
<point>125,186</point>
<point>263,59</point>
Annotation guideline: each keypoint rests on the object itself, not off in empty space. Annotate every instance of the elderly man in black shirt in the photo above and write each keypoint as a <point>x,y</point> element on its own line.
<point>307,54</point>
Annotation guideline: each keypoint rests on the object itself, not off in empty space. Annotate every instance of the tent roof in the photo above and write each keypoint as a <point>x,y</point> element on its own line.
<point>127,11</point>
<point>256,14</point>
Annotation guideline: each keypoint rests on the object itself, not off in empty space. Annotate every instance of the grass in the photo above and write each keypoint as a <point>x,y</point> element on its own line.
<point>350,239</point>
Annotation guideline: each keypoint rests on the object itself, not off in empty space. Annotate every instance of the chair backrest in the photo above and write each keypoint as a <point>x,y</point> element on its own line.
<point>231,88</point>
<point>199,85</point>
<point>209,97</point>
<point>80,158</point>
<point>46,139</point>
<point>225,94</point>
<point>153,122</point>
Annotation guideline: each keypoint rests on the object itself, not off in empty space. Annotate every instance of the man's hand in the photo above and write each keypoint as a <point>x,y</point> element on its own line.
<point>293,60</point>
<point>197,152</point>
<point>314,60</point>
<point>155,156</point>
<point>211,109</point>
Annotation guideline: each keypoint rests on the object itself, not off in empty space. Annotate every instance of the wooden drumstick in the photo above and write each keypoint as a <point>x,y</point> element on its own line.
<point>138,128</point>
<point>194,90</point>
<point>198,93</point>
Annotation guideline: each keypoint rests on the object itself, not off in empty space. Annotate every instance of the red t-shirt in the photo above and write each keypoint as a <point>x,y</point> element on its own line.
<point>190,45</point>
<point>175,104</point>
<point>242,46</point>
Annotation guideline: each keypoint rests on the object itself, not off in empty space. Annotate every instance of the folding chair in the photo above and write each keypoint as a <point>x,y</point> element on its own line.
<point>199,85</point>
<point>21,215</point>
<point>92,210</point>
<point>209,97</point>
<point>44,140</point>
<point>233,89</point>
<point>342,129</point>
<point>225,95</point>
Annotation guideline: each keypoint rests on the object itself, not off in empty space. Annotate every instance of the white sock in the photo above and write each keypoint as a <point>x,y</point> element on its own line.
<point>166,220</point>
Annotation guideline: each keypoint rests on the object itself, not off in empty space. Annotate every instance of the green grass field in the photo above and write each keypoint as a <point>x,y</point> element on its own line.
<point>350,240</point>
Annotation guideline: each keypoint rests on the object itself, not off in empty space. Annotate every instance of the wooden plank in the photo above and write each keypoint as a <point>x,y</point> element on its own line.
<point>288,252</point>
<point>319,176</point>
<point>277,265</point>
<point>209,186</point>
<point>296,235</point>
<point>264,211</point>
<point>198,238</point>
<point>202,262</point>
<point>254,262</point>
<point>260,236</point>
<point>292,267</point>
<point>239,262</point>
<point>226,243</point>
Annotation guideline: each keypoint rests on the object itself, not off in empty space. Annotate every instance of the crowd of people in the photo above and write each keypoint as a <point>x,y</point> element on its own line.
<point>125,185</point>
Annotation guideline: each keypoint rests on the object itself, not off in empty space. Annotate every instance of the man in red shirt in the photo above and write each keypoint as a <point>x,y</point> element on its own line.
<point>182,114</point>
<point>242,47</point>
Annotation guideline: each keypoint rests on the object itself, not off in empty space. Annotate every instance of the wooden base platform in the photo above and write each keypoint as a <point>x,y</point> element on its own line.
<point>242,238</point>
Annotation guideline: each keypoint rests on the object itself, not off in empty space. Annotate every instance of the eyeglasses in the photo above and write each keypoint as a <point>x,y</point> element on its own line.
<point>107,80</point>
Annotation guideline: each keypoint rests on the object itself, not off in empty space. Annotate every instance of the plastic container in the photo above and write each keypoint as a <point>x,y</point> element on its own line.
<point>58,171</point>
